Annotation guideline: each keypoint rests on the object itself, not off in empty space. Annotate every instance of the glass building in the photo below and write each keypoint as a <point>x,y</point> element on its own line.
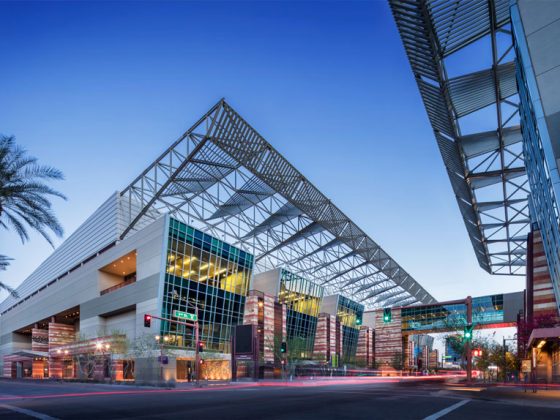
<point>303,300</point>
<point>204,271</point>
<point>350,314</point>
<point>537,75</point>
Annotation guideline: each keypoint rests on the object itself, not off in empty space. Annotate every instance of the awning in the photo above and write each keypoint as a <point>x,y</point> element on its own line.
<point>539,334</point>
<point>30,353</point>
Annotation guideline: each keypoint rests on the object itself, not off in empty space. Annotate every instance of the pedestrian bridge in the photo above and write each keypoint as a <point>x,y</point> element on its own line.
<point>493,311</point>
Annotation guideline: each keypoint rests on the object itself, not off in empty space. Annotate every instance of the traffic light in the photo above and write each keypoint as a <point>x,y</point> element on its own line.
<point>200,346</point>
<point>358,321</point>
<point>387,315</point>
<point>283,347</point>
<point>468,332</point>
<point>147,320</point>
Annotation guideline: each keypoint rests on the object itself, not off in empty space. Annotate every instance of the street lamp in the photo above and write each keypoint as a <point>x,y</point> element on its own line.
<point>505,353</point>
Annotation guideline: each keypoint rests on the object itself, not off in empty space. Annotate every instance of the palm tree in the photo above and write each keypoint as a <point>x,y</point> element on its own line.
<point>25,197</point>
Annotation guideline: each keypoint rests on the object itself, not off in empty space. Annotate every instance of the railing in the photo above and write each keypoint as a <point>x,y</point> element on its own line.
<point>118,286</point>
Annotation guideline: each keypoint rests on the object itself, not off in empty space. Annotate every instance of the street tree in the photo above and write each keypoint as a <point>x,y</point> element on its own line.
<point>25,197</point>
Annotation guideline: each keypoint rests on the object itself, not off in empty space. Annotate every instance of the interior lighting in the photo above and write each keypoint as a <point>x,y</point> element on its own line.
<point>541,344</point>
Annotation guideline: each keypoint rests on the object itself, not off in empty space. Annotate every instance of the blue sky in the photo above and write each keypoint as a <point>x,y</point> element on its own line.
<point>100,89</point>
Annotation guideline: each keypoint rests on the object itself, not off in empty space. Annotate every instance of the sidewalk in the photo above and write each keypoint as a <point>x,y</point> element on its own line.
<point>512,394</point>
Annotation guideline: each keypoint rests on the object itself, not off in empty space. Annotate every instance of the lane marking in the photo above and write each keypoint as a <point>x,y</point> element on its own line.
<point>447,410</point>
<point>30,413</point>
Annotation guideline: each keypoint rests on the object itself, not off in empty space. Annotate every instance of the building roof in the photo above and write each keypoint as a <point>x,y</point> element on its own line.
<point>446,40</point>
<point>223,177</point>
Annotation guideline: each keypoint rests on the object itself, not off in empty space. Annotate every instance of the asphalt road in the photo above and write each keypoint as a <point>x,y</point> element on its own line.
<point>368,400</point>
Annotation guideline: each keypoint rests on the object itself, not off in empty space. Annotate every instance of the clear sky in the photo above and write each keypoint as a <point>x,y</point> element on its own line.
<point>100,89</point>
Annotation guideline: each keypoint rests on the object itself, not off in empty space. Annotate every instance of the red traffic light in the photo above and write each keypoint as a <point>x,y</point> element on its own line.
<point>147,320</point>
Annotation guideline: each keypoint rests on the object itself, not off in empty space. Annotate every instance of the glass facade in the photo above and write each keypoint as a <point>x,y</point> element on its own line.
<point>538,154</point>
<point>485,310</point>
<point>350,315</point>
<point>303,300</point>
<point>204,271</point>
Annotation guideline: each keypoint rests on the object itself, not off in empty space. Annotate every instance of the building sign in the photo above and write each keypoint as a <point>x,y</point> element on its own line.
<point>184,315</point>
<point>526,365</point>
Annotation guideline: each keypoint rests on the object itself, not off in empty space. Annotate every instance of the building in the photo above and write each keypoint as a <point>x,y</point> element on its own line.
<point>535,28</point>
<point>303,301</point>
<point>339,329</point>
<point>489,76</point>
<point>158,270</point>
<point>185,238</point>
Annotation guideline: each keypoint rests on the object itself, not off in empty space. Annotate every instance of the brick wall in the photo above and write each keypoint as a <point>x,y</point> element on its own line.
<point>388,338</point>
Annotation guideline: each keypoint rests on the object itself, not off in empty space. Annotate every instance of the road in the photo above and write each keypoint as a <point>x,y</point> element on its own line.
<point>358,399</point>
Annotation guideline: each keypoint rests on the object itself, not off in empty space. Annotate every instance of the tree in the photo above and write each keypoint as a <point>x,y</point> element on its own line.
<point>25,196</point>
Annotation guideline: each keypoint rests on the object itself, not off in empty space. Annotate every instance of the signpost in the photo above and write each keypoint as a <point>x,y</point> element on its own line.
<point>193,318</point>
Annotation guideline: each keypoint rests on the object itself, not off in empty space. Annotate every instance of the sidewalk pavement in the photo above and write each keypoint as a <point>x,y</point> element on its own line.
<point>512,394</point>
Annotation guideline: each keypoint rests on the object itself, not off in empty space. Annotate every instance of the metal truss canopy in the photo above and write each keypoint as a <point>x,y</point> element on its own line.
<point>486,168</point>
<point>223,177</point>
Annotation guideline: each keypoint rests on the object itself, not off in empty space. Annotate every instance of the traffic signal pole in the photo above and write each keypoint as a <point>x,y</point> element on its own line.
<point>468,349</point>
<point>194,325</point>
<point>197,352</point>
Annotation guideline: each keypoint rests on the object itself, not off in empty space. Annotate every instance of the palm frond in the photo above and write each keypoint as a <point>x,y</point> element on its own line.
<point>24,193</point>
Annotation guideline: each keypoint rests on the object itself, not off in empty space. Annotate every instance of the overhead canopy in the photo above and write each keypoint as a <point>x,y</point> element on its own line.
<point>222,177</point>
<point>472,40</point>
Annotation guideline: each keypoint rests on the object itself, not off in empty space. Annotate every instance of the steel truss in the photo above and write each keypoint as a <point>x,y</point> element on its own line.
<point>486,169</point>
<point>222,177</point>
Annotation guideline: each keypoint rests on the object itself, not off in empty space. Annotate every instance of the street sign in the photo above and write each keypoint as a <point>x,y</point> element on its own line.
<point>184,315</point>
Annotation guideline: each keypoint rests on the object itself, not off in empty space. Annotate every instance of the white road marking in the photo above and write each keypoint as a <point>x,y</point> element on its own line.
<point>447,410</point>
<point>30,413</point>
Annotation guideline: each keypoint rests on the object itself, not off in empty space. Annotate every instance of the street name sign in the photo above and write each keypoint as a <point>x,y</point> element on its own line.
<point>184,315</point>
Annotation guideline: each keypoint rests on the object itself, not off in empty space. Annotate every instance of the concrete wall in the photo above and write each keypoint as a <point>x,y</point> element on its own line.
<point>267,282</point>
<point>124,308</point>
<point>329,305</point>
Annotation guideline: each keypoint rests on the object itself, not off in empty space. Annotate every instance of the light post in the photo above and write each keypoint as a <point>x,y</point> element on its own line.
<point>505,353</point>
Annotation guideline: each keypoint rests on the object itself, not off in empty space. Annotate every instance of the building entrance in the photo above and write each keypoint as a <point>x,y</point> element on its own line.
<point>186,370</point>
